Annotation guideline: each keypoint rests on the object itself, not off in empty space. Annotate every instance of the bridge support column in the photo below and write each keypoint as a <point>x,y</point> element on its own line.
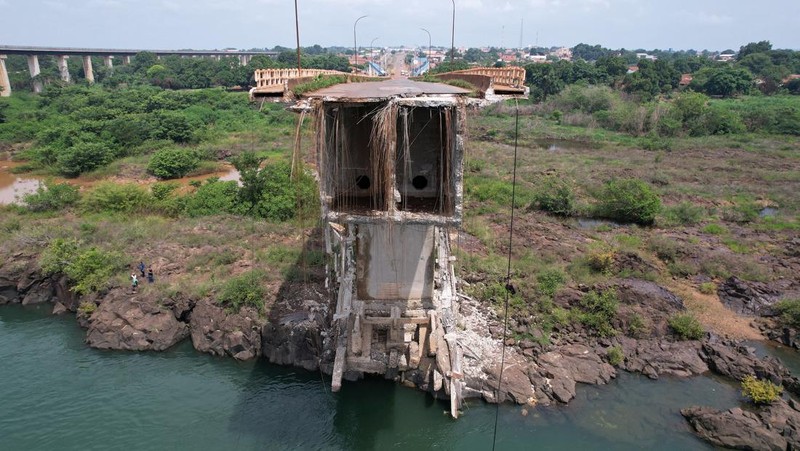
<point>87,68</point>
<point>108,61</point>
<point>33,67</point>
<point>5,84</point>
<point>126,60</point>
<point>63,69</point>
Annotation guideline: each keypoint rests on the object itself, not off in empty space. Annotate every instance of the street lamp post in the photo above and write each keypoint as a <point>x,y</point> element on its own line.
<point>429,45</point>
<point>453,35</point>
<point>355,42</point>
<point>370,52</point>
<point>297,31</point>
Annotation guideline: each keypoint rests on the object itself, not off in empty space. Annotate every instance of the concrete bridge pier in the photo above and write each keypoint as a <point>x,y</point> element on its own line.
<point>126,60</point>
<point>5,84</point>
<point>33,67</point>
<point>63,69</point>
<point>108,61</point>
<point>87,69</point>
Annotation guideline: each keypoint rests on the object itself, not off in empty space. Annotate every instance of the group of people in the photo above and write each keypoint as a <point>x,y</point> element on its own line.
<point>135,279</point>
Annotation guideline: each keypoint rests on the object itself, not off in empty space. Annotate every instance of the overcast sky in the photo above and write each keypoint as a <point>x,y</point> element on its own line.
<point>216,24</point>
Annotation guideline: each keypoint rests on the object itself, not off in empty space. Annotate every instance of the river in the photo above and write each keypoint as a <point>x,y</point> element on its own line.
<point>57,393</point>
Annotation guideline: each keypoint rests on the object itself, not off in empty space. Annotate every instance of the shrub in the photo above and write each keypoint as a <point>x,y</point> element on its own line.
<point>244,290</point>
<point>615,355</point>
<point>708,288</point>
<point>555,196</point>
<point>686,326</point>
<point>715,229</point>
<point>550,280</point>
<point>83,157</point>
<point>213,198</point>
<point>598,310</point>
<point>685,213</point>
<point>789,310</point>
<point>116,198</point>
<point>161,191</point>
<point>665,248</point>
<point>51,196</point>
<point>173,163</point>
<point>87,308</point>
<point>760,391</point>
<point>628,200</point>
<point>601,258</point>
<point>88,269</point>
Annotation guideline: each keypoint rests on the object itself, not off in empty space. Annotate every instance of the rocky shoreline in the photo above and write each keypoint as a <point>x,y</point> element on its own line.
<point>295,332</point>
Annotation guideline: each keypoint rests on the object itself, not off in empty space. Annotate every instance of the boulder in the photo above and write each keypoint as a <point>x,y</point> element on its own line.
<point>734,360</point>
<point>133,323</point>
<point>39,293</point>
<point>569,364</point>
<point>749,298</point>
<point>655,358</point>
<point>650,301</point>
<point>294,339</point>
<point>734,428</point>
<point>217,332</point>
<point>516,385</point>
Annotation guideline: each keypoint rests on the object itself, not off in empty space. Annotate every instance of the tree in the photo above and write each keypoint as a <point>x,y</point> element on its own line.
<point>754,47</point>
<point>611,67</point>
<point>589,52</point>
<point>543,80</point>
<point>725,81</point>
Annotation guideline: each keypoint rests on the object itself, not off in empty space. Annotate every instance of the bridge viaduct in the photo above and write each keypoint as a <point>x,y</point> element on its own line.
<point>63,53</point>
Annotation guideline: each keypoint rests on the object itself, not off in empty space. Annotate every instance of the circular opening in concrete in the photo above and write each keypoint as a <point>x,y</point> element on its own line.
<point>362,182</point>
<point>419,182</point>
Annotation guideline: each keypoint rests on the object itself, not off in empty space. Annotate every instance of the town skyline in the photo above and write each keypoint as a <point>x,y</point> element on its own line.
<point>204,24</point>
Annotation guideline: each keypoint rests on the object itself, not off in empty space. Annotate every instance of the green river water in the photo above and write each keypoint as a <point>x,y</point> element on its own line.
<point>58,394</point>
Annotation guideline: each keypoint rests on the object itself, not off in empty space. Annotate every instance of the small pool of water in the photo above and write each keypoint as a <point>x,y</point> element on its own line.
<point>593,224</point>
<point>12,186</point>
<point>557,145</point>
<point>768,212</point>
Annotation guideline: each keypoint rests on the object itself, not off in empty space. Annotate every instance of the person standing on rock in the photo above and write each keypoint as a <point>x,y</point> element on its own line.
<point>150,277</point>
<point>141,268</point>
<point>134,282</point>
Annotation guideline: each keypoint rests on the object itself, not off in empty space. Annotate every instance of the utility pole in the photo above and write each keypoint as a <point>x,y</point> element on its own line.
<point>453,35</point>
<point>297,30</point>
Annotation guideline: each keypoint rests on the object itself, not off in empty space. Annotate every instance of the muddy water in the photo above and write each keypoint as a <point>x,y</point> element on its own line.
<point>13,186</point>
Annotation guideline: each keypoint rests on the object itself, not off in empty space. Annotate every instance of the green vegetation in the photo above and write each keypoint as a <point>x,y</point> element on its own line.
<point>173,163</point>
<point>628,200</point>
<point>760,391</point>
<point>686,327</point>
<point>708,288</point>
<point>789,310</point>
<point>615,355</point>
<point>246,290</point>
<point>51,196</point>
<point>89,269</point>
<point>555,195</point>
<point>598,310</point>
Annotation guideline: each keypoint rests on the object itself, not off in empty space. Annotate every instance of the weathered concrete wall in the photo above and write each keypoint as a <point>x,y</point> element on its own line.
<point>394,261</point>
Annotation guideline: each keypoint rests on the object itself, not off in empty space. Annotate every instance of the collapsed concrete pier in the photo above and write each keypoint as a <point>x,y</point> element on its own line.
<point>390,157</point>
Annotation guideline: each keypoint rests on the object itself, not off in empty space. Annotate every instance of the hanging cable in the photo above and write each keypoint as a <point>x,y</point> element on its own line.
<point>510,290</point>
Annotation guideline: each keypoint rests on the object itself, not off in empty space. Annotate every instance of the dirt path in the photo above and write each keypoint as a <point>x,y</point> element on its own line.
<point>710,311</point>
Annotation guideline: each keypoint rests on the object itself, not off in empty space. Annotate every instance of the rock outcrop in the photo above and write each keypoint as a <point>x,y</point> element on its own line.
<point>217,332</point>
<point>654,358</point>
<point>772,427</point>
<point>133,323</point>
<point>295,330</point>
<point>736,361</point>
<point>562,368</point>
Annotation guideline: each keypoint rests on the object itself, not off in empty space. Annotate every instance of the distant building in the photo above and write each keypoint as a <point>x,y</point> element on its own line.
<point>646,56</point>
<point>563,53</point>
<point>686,79</point>
<point>633,69</point>
<point>536,58</point>
<point>726,57</point>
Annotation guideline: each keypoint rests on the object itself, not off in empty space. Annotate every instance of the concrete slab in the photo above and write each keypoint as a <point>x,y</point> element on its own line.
<point>400,87</point>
